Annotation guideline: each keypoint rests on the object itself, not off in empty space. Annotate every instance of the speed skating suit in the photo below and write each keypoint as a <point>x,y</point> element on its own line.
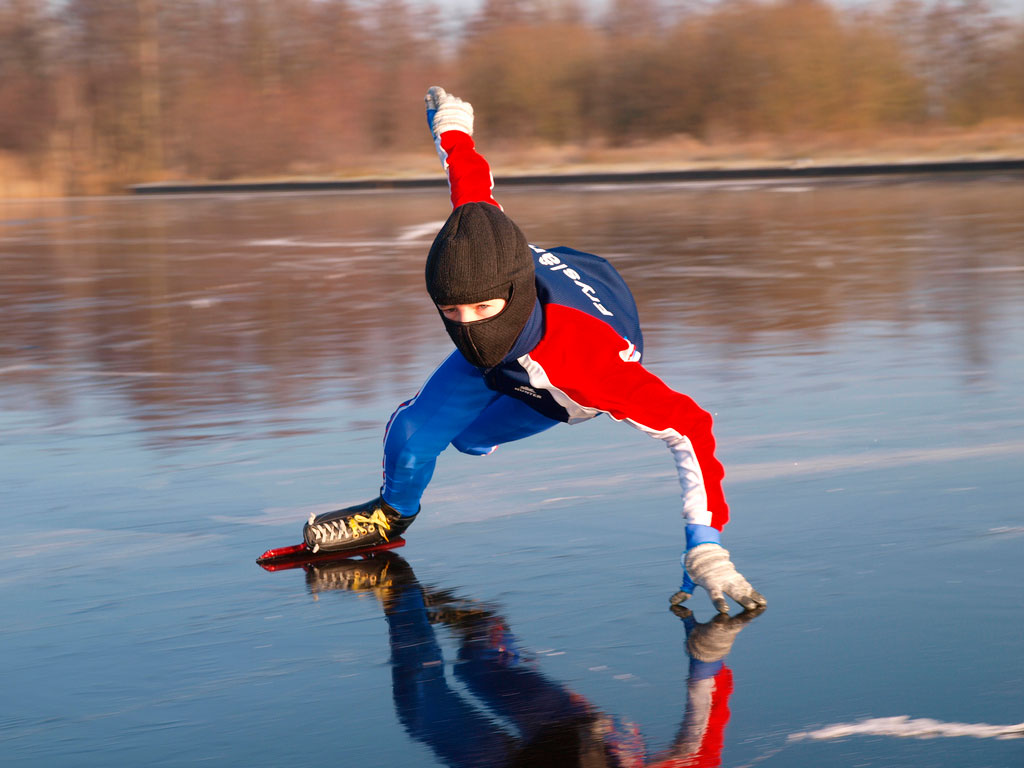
<point>578,356</point>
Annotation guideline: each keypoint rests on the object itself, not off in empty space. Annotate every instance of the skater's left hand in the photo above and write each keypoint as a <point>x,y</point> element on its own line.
<point>708,565</point>
<point>446,112</point>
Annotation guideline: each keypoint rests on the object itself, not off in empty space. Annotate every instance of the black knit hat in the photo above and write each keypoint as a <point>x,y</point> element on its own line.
<point>480,254</point>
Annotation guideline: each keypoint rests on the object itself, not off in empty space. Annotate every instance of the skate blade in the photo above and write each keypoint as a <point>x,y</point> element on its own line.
<point>283,558</point>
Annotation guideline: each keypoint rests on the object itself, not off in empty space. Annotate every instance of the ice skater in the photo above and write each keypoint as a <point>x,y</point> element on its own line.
<point>542,337</point>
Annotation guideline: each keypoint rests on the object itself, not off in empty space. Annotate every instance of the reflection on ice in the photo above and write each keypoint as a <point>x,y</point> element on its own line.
<point>514,713</point>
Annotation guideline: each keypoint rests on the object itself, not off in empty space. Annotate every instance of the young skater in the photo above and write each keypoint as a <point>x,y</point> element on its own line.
<point>542,336</point>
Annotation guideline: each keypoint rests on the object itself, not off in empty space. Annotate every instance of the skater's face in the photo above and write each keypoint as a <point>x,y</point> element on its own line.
<point>467,313</point>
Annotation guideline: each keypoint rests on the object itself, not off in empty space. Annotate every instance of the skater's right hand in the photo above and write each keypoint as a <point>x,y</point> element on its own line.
<point>446,112</point>
<point>708,565</point>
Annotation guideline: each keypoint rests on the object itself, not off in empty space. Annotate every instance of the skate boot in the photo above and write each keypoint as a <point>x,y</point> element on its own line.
<point>364,525</point>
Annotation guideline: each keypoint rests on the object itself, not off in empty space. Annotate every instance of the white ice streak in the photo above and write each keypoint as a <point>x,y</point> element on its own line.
<point>728,273</point>
<point>426,230</point>
<point>292,242</point>
<point>837,463</point>
<point>276,516</point>
<point>905,727</point>
<point>980,270</point>
<point>406,236</point>
<point>19,367</point>
<point>101,544</point>
<point>77,369</point>
<point>117,374</point>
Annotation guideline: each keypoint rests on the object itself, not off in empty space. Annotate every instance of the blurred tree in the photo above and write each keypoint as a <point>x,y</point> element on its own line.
<point>636,19</point>
<point>1007,77</point>
<point>745,68</point>
<point>951,45</point>
<point>730,71</point>
<point>27,98</point>
<point>633,90</point>
<point>808,90</point>
<point>102,51</point>
<point>882,89</point>
<point>392,47</point>
<point>403,57</point>
<point>527,79</point>
<point>151,124</point>
<point>499,14</point>
<point>111,91</point>
<point>970,34</point>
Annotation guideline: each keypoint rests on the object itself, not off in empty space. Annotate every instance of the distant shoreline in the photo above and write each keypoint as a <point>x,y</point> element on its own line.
<point>603,176</point>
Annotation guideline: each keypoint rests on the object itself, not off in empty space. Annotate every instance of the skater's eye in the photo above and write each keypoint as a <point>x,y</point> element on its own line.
<point>467,313</point>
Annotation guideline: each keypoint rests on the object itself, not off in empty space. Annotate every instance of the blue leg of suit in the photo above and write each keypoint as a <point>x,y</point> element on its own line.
<point>454,407</point>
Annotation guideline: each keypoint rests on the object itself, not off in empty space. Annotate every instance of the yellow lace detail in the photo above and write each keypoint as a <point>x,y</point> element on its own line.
<point>361,524</point>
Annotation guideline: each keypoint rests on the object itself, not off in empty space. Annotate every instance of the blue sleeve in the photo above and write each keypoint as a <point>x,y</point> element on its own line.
<point>701,534</point>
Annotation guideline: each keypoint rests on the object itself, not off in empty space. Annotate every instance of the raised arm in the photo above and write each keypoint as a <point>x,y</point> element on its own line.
<point>451,124</point>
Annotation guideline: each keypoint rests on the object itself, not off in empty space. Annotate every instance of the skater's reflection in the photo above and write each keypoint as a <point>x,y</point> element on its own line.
<point>518,716</point>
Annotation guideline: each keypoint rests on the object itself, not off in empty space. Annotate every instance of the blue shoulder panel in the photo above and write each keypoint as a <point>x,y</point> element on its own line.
<point>568,278</point>
<point>589,283</point>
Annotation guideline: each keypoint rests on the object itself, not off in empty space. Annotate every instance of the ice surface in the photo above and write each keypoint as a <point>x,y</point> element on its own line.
<point>183,380</point>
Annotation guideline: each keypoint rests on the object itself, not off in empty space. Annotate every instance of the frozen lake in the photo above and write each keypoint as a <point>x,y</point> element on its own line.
<point>184,379</point>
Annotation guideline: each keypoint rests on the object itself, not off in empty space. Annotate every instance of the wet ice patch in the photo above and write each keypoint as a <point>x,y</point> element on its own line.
<point>905,727</point>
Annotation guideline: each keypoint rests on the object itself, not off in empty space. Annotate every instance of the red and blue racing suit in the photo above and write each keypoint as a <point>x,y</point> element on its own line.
<point>578,356</point>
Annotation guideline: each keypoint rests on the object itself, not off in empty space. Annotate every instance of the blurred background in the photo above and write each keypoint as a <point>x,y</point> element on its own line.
<point>98,94</point>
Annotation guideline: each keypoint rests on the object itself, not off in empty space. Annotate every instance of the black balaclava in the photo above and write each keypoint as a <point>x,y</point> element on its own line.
<point>481,254</point>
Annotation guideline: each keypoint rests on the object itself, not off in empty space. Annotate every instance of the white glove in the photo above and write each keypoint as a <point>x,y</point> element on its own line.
<point>709,566</point>
<point>447,113</point>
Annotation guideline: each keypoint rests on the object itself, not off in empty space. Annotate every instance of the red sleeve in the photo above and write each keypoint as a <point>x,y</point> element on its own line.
<point>469,175</point>
<point>581,357</point>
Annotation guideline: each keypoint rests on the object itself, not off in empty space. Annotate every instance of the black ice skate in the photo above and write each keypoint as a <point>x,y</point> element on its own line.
<point>364,525</point>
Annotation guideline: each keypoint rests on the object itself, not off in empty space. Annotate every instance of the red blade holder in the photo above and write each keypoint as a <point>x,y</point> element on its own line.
<point>283,558</point>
